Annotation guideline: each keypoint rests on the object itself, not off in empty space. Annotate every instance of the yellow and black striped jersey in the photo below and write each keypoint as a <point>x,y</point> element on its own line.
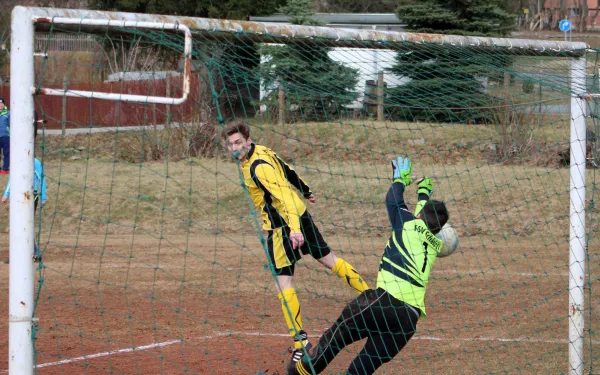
<point>410,252</point>
<point>269,181</point>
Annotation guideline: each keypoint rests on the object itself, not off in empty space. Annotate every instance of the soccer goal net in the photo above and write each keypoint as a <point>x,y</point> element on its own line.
<point>152,253</point>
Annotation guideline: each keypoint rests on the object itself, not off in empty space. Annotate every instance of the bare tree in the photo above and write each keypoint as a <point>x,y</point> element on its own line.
<point>563,10</point>
<point>583,14</point>
<point>595,15</point>
<point>532,6</point>
<point>128,56</point>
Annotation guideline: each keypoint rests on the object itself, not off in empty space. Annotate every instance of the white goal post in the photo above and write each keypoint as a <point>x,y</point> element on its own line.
<point>23,87</point>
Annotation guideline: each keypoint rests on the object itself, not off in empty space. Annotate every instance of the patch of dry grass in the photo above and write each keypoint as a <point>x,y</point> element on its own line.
<point>368,142</point>
<point>375,142</point>
<point>115,182</point>
<point>204,196</point>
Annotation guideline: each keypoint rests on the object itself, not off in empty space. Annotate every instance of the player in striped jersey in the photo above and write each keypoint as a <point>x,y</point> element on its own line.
<point>270,182</point>
<point>387,316</point>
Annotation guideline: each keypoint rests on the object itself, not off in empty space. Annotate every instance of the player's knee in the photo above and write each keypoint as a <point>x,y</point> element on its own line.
<point>283,283</point>
<point>328,260</point>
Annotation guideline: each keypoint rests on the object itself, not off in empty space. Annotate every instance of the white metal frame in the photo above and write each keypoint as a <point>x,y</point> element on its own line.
<point>22,88</point>
<point>187,52</point>
<point>21,277</point>
<point>22,142</point>
<point>577,237</point>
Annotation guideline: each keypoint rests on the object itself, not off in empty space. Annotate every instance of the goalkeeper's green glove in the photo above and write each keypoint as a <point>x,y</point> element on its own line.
<point>424,186</point>
<point>402,168</point>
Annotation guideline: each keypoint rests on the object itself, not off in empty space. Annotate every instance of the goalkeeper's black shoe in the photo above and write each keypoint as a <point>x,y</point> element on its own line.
<point>297,355</point>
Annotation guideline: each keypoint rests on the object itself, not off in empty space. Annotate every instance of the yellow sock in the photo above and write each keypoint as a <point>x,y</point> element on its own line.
<point>346,272</point>
<point>289,300</point>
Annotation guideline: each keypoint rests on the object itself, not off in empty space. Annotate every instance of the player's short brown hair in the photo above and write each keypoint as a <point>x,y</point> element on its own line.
<point>237,126</point>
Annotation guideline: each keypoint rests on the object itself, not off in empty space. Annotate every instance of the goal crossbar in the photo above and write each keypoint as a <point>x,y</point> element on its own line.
<point>282,33</point>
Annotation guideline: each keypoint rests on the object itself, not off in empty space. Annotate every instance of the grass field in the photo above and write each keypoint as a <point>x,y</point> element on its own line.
<point>164,255</point>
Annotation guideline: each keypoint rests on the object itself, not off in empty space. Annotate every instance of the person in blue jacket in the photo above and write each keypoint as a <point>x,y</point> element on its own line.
<point>5,136</point>
<point>39,193</point>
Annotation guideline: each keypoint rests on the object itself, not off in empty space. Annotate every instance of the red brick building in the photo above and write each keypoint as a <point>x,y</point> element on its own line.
<point>552,13</point>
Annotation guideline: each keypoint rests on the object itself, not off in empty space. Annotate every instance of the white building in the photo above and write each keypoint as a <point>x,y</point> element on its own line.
<point>368,62</point>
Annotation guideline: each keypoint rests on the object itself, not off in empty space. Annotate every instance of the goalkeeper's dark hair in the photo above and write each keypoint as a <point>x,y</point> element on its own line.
<point>435,215</point>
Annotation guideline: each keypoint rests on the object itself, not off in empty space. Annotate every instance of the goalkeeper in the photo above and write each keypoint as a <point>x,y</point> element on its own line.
<point>387,317</point>
<point>291,230</point>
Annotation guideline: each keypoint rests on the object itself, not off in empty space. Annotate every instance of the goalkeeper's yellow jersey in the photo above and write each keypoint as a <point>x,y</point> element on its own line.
<point>269,181</point>
<point>409,254</point>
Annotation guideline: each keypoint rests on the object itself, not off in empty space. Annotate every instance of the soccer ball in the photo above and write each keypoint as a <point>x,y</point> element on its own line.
<point>450,238</point>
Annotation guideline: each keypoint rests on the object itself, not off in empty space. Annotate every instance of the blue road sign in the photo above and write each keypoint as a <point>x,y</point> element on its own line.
<point>564,25</point>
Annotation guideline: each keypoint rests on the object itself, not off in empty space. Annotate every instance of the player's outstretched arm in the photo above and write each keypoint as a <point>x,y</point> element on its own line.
<point>424,191</point>
<point>398,212</point>
<point>43,192</point>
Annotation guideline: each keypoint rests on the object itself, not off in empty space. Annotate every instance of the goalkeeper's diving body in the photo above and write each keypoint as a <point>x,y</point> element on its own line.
<point>387,316</point>
<point>291,230</point>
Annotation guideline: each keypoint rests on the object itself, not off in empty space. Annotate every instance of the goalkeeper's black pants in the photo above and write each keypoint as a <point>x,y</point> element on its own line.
<point>383,320</point>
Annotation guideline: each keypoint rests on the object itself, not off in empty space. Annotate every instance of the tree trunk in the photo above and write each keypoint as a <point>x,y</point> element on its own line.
<point>532,5</point>
<point>563,10</point>
<point>577,7</point>
<point>540,8</point>
<point>204,107</point>
<point>595,15</point>
<point>583,13</point>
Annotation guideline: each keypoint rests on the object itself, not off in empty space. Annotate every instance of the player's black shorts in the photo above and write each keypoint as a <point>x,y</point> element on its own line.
<point>281,253</point>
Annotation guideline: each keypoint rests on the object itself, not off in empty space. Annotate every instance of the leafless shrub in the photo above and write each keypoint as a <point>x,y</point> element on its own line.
<point>515,126</point>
